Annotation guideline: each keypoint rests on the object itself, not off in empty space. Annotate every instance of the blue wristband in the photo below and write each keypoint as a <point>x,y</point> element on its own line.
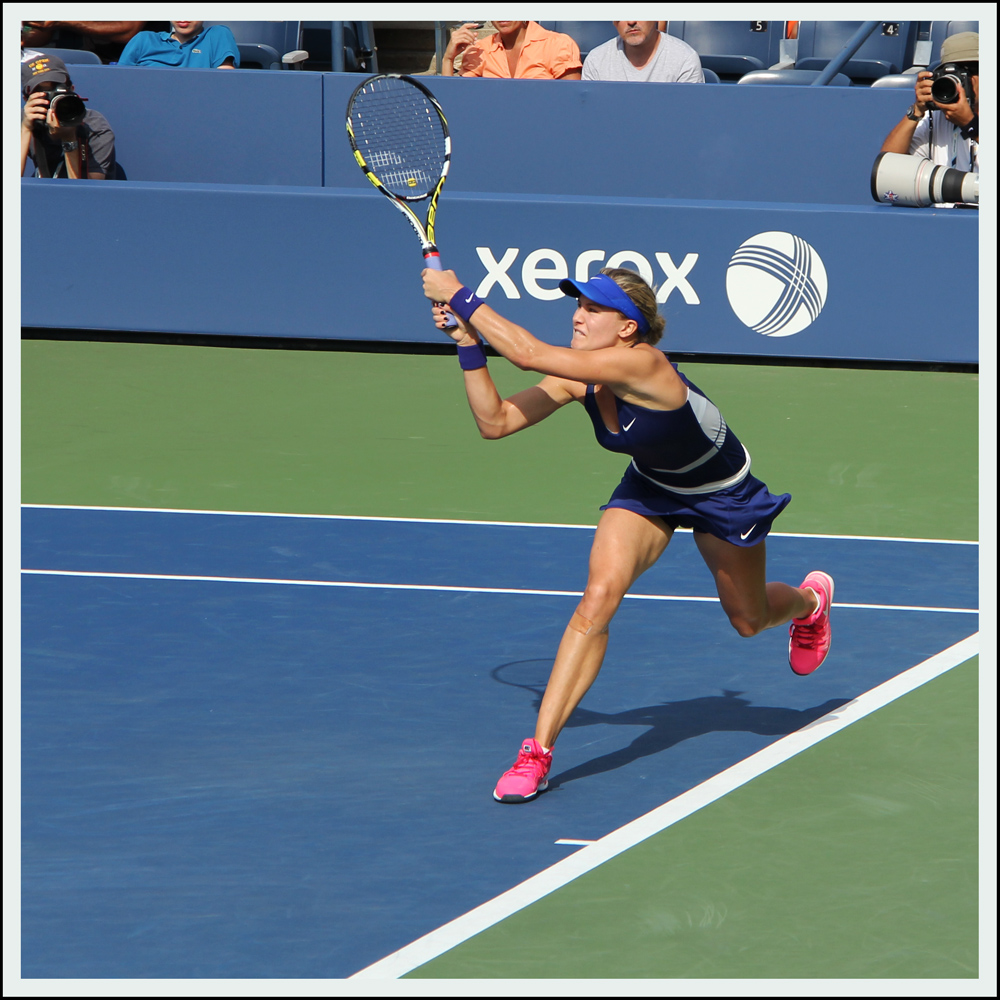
<point>464,303</point>
<point>471,357</point>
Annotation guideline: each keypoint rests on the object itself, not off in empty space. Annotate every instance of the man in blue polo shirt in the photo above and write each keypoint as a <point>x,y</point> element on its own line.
<point>189,44</point>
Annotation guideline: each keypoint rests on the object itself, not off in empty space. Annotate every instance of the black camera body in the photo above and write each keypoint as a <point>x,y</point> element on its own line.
<point>949,80</point>
<point>67,107</point>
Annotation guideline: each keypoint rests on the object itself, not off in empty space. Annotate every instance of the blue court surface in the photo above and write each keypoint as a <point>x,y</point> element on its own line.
<point>233,768</point>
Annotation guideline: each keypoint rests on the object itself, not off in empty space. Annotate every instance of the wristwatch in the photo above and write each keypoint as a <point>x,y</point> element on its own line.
<point>914,113</point>
<point>68,147</point>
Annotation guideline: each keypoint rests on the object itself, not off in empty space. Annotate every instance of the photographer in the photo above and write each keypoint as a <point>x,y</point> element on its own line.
<point>61,137</point>
<point>943,123</point>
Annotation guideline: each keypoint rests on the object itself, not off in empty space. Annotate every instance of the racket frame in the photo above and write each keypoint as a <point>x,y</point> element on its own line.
<point>424,230</point>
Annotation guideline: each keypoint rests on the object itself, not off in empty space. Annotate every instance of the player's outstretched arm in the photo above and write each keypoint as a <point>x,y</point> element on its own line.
<point>527,352</point>
<point>497,417</point>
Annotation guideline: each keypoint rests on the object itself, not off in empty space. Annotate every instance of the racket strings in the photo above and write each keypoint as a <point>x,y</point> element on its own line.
<point>399,134</point>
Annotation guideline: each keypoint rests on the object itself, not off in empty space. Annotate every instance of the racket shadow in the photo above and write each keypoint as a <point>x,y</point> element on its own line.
<point>667,723</point>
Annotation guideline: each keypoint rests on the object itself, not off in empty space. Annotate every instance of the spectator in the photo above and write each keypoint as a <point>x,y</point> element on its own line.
<point>644,54</point>
<point>947,134</point>
<point>64,141</point>
<point>479,29</point>
<point>521,50</point>
<point>189,45</point>
<point>104,38</point>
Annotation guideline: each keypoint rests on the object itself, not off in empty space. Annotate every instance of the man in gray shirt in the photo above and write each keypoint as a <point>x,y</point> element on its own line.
<point>644,54</point>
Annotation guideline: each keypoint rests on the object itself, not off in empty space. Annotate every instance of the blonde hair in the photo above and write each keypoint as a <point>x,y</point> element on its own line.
<point>644,297</point>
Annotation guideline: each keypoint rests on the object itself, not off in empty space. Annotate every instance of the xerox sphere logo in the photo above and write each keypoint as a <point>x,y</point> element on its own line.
<point>776,284</point>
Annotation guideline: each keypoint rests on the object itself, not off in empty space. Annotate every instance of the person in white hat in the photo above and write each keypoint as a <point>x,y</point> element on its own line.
<point>943,123</point>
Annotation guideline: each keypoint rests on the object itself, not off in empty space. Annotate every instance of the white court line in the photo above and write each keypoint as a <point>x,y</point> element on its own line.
<point>437,520</point>
<point>462,928</point>
<point>439,587</point>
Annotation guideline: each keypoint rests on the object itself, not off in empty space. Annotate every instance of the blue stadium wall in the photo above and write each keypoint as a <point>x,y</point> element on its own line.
<point>245,214</point>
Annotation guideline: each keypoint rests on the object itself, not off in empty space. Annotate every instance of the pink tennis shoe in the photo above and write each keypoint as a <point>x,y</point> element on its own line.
<point>809,638</point>
<point>527,777</point>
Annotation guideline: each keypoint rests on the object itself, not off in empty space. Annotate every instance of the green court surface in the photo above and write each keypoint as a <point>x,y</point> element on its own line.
<point>856,859</point>
<point>851,860</point>
<point>861,452</point>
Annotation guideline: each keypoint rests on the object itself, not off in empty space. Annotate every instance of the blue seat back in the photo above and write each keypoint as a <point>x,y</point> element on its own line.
<point>74,55</point>
<point>897,81</point>
<point>940,30</point>
<point>792,77</point>
<point>282,36</point>
<point>889,49</point>
<point>587,34</point>
<point>254,56</point>
<point>359,45</point>
<point>732,48</point>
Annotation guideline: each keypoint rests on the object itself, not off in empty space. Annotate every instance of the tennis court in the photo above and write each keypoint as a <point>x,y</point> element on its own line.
<point>280,642</point>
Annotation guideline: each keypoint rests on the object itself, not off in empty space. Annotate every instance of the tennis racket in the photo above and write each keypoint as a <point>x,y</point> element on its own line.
<point>400,139</point>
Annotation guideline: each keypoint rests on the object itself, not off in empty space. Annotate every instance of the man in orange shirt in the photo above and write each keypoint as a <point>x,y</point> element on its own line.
<point>521,50</point>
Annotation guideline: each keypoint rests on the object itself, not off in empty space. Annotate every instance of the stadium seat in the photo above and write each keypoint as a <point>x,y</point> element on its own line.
<point>359,53</point>
<point>587,34</point>
<point>928,53</point>
<point>258,56</point>
<point>888,49</point>
<point>732,48</point>
<point>901,81</point>
<point>792,77</point>
<point>267,44</point>
<point>74,56</point>
<point>710,75</point>
<point>940,30</point>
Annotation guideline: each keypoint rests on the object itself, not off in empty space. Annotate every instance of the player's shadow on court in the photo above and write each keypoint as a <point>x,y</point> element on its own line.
<point>668,723</point>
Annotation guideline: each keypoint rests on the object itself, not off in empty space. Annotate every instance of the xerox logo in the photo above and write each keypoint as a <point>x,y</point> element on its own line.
<point>542,270</point>
<point>776,283</point>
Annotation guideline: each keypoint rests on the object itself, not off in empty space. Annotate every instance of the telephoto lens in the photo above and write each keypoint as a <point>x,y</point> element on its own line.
<point>915,181</point>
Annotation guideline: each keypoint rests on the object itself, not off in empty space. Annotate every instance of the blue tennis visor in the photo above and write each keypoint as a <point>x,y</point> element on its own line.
<point>605,291</point>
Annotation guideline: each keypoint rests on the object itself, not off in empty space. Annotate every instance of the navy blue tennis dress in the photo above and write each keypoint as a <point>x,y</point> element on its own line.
<point>689,468</point>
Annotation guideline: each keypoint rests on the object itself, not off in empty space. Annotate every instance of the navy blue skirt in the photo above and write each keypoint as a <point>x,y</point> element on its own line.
<point>741,514</point>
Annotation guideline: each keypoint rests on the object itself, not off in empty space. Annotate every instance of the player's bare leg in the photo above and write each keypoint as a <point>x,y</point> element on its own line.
<point>751,603</point>
<point>625,546</point>
<point>754,605</point>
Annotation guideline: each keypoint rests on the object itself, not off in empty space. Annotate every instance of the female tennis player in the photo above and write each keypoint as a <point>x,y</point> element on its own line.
<point>688,469</point>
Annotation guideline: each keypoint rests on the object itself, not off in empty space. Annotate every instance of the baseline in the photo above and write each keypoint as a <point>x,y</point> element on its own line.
<point>441,588</point>
<point>438,520</point>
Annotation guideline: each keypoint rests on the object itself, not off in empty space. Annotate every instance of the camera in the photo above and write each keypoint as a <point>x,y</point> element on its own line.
<point>915,181</point>
<point>66,107</point>
<point>949,80</point>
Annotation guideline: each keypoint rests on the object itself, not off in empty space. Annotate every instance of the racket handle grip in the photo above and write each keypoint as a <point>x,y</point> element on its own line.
<point>433,260</point>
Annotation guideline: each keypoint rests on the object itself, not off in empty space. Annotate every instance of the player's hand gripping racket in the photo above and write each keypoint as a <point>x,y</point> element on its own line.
<point>400,139</point>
